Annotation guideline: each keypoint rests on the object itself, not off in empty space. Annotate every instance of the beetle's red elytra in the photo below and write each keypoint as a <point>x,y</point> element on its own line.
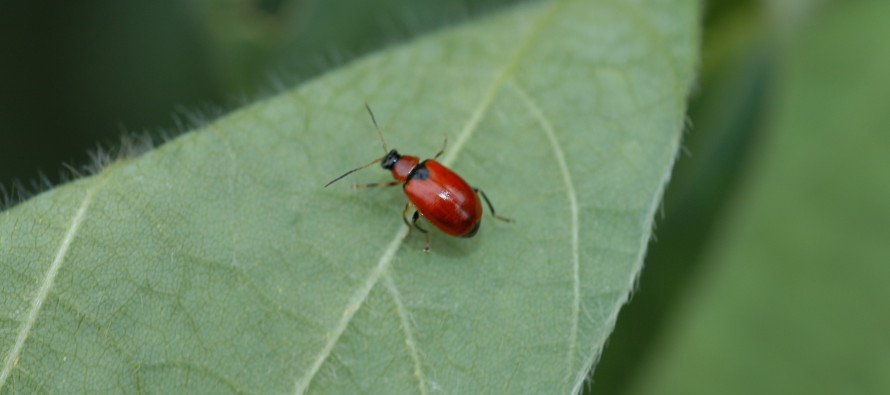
<point>437,193</point>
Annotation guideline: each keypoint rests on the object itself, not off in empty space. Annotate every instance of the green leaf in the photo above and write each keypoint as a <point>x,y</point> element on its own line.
<point>795,297</point>
<point>218,263</point>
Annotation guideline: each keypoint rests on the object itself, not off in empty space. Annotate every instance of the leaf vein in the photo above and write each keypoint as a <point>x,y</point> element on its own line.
<point>351,308</point>
<point>46,285</point>
<point>571,195</point>
<point>500,78</point>
<point>406,329</point>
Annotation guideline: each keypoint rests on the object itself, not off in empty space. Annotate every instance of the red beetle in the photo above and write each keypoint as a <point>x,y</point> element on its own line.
<point>437,193</point>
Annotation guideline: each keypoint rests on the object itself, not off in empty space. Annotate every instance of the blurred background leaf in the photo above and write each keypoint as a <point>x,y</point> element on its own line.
<point>782,293</point>
<point>795,298</point>
<point>725,116</point>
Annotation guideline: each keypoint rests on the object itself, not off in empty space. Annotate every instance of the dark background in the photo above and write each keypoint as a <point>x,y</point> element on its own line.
<point>79,74</point>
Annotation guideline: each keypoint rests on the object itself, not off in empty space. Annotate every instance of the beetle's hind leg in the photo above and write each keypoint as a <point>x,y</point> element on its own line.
<point>490,207</point>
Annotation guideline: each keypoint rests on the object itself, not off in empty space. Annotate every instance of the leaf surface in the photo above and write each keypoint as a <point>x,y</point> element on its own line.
<point>218,263</point>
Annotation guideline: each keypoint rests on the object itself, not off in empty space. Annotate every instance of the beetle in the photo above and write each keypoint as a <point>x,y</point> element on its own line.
<point>436,192</point>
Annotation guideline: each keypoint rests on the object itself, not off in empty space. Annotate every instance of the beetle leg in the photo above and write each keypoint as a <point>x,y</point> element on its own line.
<point>490,207</point>
<point>376,184</point>
<point>414,219</point>
<point>404,218</point>
<point>444,144</point>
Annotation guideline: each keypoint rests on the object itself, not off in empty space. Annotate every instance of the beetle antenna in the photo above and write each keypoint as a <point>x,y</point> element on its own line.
<point>379,133</point>
<point>353,171</point>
